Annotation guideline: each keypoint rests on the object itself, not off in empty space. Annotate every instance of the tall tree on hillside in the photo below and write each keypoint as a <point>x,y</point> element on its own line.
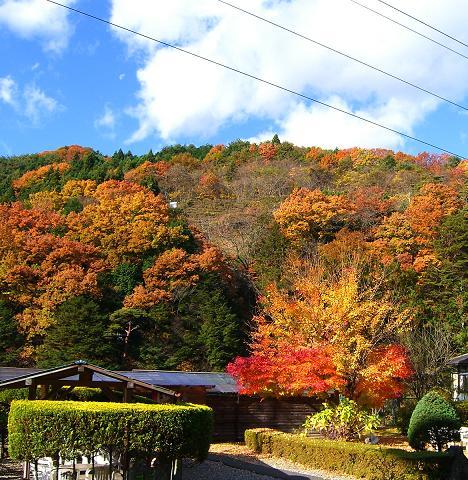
<point>77,333</point>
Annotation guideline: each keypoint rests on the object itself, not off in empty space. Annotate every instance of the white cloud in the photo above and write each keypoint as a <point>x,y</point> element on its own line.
<point>37,104</point>
<point>30,102</point>
<point>180,95</point>
<point>38,19</point>
<point>106,122</point>
<point>8,90</point>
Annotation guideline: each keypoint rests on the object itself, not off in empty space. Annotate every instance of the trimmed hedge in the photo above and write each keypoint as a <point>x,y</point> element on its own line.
<point>43,428</point>
<point>434,421</point>
<point>6,397</point>
<point>372,462</point>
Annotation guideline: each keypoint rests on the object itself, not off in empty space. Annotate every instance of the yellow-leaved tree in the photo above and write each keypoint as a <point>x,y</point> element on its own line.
<point>336,314</point>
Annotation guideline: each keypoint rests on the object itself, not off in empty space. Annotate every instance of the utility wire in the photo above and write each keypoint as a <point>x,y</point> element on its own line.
<point>424,23</point>
<point>249,75</point>
<point>368,65</point>
<point>376,12</point>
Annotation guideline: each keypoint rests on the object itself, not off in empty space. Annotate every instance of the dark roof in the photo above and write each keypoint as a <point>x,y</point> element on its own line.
<point>71,373</point>
<point>7,373</point>
<point>460,360</point>
<point>214,382</point>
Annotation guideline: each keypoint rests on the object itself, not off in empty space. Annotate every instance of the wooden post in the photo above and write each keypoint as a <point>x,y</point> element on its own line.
<point>26,470</point>
<point>110,463</point>
<point>32,392</point>
<point>85,376</point>
<point>43,391</point>
<point>128,392</point>
<point>236,418</point>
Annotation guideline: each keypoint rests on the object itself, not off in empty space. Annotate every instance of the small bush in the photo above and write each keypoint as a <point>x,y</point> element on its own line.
<point>434,422</point>
<point>347,458</point>
<point>85,394</point>
<point>43,428</point>
<point>462,410</point>
<point>346,421</point>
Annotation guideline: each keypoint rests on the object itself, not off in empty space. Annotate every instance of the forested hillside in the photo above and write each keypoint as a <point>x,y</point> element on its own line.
<point>95,263</point>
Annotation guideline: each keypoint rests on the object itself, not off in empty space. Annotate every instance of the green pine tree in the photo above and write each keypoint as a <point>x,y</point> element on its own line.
<point>77,333</point>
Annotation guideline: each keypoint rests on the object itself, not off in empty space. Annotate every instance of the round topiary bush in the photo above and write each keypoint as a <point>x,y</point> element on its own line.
<point>434,422</point>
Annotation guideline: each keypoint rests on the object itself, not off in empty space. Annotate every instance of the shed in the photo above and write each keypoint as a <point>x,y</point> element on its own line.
<point>233,412</point>
<point>47,384</point>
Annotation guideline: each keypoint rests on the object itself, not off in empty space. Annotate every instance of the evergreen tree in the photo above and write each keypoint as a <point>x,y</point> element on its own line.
<point>77,333</point>
<point>443,294</point>
<point>11,340</point>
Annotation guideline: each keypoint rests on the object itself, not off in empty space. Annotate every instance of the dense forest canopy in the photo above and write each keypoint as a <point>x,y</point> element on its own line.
<point>270,245</point>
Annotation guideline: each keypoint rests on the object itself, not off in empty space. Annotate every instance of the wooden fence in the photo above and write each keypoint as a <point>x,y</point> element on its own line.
<point>234,414</point>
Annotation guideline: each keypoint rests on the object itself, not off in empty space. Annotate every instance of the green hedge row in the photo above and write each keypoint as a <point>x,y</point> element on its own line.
<point>6,397</point>
<point>43,428</point>
<point>363,461</point>
<point>81,394</point>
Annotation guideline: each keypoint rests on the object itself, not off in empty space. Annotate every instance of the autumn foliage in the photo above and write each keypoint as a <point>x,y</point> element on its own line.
<point>310,214</point>
<point>34,175</point>
<point>333,334</point>
<point>302,268</point>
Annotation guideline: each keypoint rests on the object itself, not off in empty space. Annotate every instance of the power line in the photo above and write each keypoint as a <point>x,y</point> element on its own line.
<point>424,23</point>
<point>249,75</point>
<point>376,12</point>
<point>368,65</point>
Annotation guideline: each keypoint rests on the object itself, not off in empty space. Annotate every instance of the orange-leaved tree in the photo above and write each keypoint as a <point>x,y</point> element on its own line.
<point>39,268</point>
<point>172,275</point>
<point>346,329</point>
<point>124,220</point>
<point>408,237</point>
<point>311,214</point>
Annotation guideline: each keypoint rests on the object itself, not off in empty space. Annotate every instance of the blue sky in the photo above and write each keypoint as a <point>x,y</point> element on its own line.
<point>65,79</point>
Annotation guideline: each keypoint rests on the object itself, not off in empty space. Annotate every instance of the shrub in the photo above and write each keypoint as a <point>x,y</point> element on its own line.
<point>6,397</point>
<point>434,421</point>
<point>44,428</point>
<point>346,421</point>
<point>462,410</point>
<point>347,458</point>
<point>404,415</point>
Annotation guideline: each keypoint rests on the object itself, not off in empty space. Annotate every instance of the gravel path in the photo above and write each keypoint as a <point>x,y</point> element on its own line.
<point>210,470</point>
<point>228,468</point>
<point>215,469</point>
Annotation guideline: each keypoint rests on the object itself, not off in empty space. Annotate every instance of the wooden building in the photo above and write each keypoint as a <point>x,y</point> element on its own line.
<point>233,413</point>
<point>460,377</point>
